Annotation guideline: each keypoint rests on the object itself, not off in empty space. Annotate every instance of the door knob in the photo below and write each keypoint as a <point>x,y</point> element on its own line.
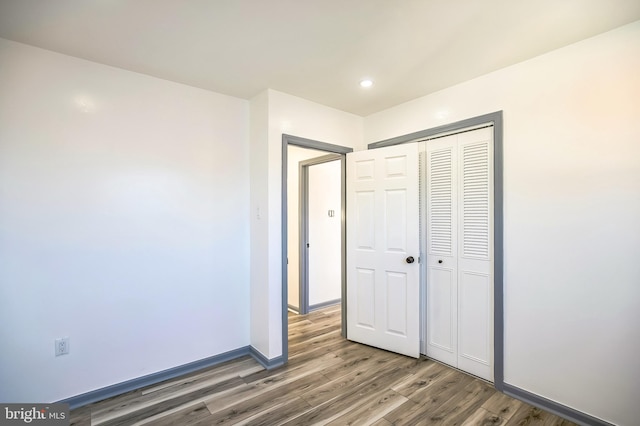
<point>410,259</point>
<point>440,261</point>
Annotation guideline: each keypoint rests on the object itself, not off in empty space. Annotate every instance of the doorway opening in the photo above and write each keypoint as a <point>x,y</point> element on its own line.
<point>310,153</point>
<point>320,232</point>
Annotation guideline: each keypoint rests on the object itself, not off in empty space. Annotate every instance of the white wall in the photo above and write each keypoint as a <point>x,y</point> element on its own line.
<point>123,224</point>
<point>325,233</point>
<point>571,215</point>
<point>258,261</point>
<point>295,116</point>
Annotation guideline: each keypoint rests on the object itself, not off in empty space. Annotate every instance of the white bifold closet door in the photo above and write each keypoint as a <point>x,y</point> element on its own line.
<point>459,190</point>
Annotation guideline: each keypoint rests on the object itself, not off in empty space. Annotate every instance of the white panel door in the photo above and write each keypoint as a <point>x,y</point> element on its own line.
<point>383,248</point>
<point>459,190</point>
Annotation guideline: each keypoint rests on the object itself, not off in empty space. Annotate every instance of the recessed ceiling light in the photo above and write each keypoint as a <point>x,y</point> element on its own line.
<point>366,83</point>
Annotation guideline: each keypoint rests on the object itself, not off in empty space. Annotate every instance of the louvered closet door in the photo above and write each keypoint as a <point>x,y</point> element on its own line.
<point>475,254</point>
<point>442,262</point>
<point>460,251</point>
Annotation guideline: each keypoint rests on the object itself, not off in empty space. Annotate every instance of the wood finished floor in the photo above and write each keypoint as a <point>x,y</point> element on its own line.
<point>327,380</point>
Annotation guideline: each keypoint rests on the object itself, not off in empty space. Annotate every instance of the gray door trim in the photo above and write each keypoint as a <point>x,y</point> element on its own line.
<point>498,220</point>
<point>321,146</point>
<point>303,214</point>
<point>451,127</point>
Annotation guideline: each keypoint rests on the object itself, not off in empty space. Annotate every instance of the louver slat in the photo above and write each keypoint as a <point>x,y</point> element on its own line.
<point>475,201</point>
<point>441,202</point>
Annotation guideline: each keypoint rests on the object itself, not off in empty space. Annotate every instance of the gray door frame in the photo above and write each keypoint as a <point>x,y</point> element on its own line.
<point>303,214</point>
<point>329,148</point>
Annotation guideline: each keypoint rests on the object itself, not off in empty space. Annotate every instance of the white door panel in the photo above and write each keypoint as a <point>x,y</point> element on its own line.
<point>475,260</point>
<point>382,232</point>
<point>442,267</point>
<point>475,319</point>
<point>396,296</point>
<point>364,313</point>
<point>442,314</point>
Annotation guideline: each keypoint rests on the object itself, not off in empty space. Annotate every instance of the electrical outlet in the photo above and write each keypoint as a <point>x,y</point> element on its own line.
<point>62,346</point>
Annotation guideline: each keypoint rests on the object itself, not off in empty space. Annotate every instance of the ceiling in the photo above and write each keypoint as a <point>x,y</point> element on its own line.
<point>314,49</point>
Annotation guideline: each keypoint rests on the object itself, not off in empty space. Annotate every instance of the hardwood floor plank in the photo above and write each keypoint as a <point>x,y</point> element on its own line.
<point>357,360</point>
<point>455,410</point>
<point>302,335</point>
<point>408,413</point>
<point>316,342</point>
<point>116,403</point>
<point>482,417</point>
<point>152,420</point>
<point>220,372</point>
<point>149,407</point>
<point>236,395</point>
<point>422,378</point>
<point>324,321</point>
<point>533,416</point>
<point>332,348</point>
<point>324,313</point>
<point>257,388</point>
<point>186,385</point>
<point>336,308</point>
<point>291,369</point>
<point>338,405</point>
<point>295,318</point>
<point>260,405</point>
<point>429,399</point>
<point>502,405</point>
<point>80,416</point>
<point>438,388</point>
<point>353,350</point>
<point>563,422</point>
<point>527,415</point>
<point>371,411</point>
<point>353,382</point>
<point>298,325</point>
<point>278,414</point>
<point>193,415</point>
<point>382,422</point>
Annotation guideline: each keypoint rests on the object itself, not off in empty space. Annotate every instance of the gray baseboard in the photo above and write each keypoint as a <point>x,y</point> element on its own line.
<point>324,304</point>
<point>554,407</point>
<point>294,309</point>
<point>264,361</point>
<point>171,373</point>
